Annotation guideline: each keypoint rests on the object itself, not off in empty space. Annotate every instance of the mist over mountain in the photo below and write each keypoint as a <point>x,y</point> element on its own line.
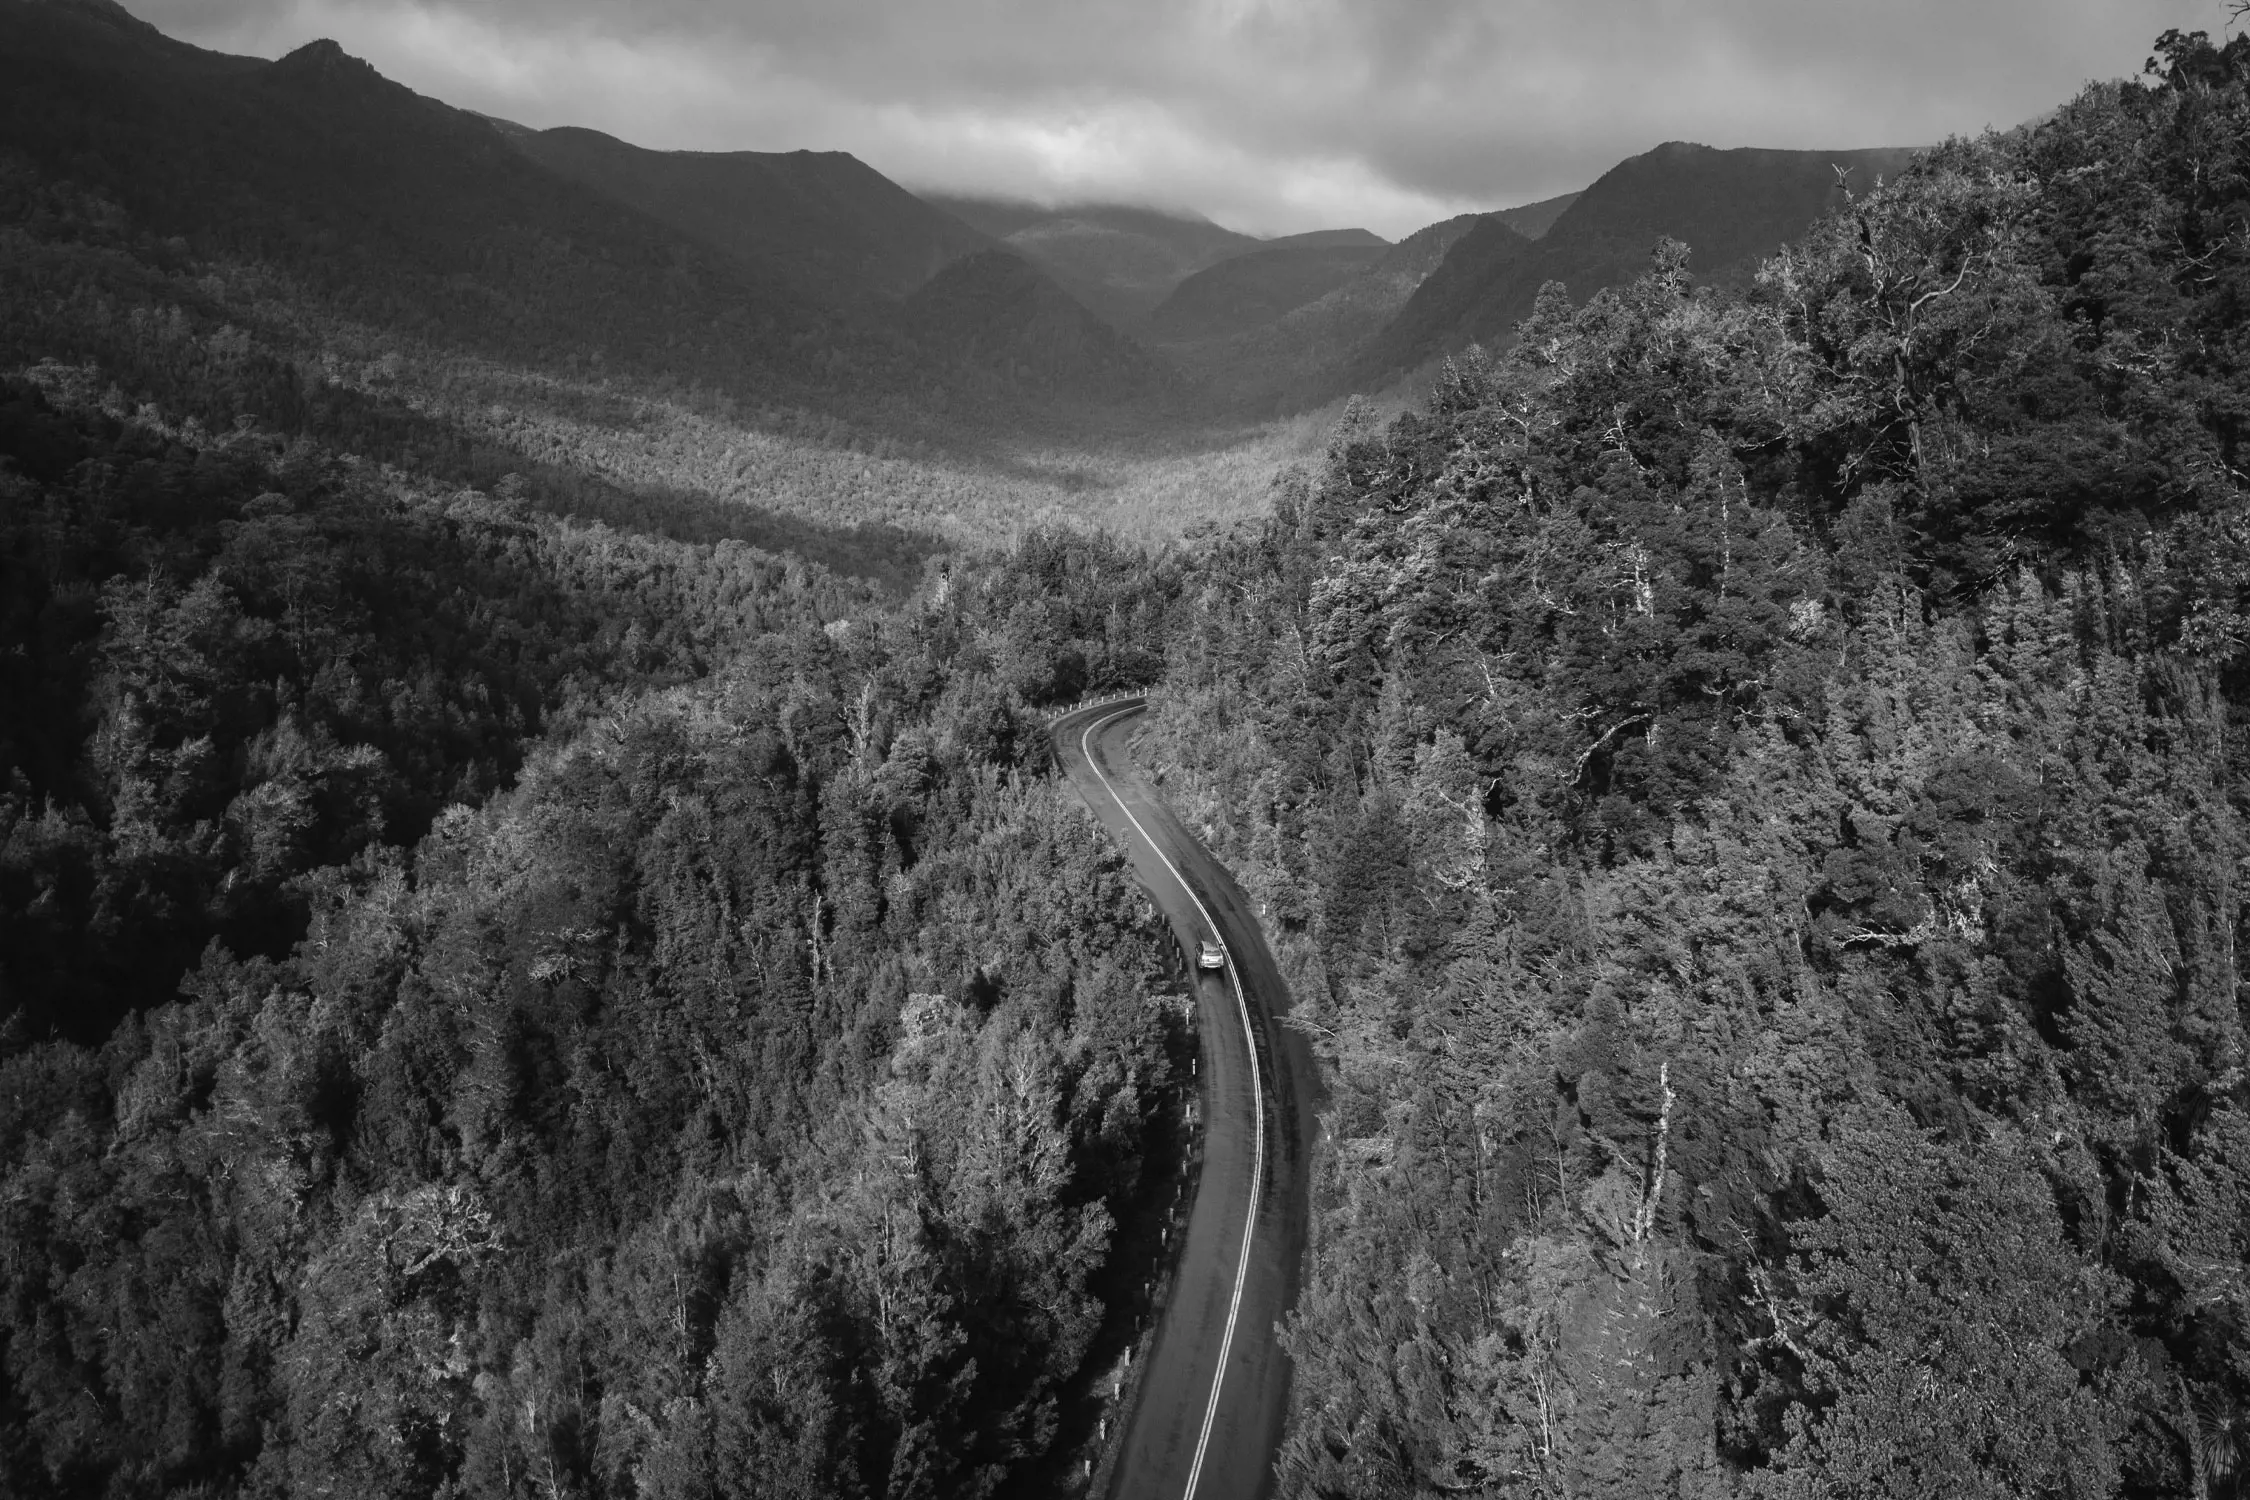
<point>997,217</point>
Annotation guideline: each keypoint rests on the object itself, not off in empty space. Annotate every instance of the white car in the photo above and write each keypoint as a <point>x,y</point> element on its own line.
<point>1210,956</point>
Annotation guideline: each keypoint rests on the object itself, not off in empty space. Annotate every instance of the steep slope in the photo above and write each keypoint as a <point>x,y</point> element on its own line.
<point>1483,269</point>
<point>504,823</point>
<point>1247,291</point>
<point>1970,549</point>
<point>385,207</point>
<point>996,314</point>
<point>1121,261</point>
<point>1420,253</point>
<point>373,209</point>
<point>1533,220</point>
<point>824,219</point>
<point>1729,207</point>
<point>1290,361</point>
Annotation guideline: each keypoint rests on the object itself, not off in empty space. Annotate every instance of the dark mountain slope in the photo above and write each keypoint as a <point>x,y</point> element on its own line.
<point>1122,262</point>
<point>1119,260</point>
<point>1246,291</point>
<point>1729,207</point>
<point>1421,252</point>
<point>385,206</point>
<point>997,314</point>
<point>380,209</point>
<point>826,220</point>
<point>1289,361</point>
<point>1482,269</point>
<point>1533,220</point>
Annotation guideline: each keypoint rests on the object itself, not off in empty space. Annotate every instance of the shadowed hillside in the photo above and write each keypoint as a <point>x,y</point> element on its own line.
<point>1288,362</point>
<point>1120,261</point>
<point>365,210</point>
<point>387,207</point>
<point>826,220</point>
<point>1247,291</point>
<point>1729,207</point>
<point>996,313</point>
<point>1482,267</point>
<point>1533,220</point>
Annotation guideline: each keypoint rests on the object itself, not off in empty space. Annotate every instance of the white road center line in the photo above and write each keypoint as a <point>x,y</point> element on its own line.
<point>1257,1094</point>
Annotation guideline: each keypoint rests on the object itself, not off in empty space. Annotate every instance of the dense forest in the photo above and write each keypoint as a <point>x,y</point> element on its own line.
<point>494,1002</point>
<point>1750,789</point>
<point>526,969</point>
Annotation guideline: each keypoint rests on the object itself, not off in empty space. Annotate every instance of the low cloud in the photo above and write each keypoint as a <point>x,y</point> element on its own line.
<point>1269,115</point>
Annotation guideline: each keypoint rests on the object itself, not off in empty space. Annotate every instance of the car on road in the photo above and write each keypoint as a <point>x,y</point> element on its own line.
<point>1210,956</point>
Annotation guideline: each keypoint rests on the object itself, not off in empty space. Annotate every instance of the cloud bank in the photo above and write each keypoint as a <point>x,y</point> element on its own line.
<point>1271,116</point>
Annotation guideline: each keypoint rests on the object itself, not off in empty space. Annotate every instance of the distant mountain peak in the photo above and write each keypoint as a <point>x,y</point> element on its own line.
<point>325,61</point>
<point>321,52</point>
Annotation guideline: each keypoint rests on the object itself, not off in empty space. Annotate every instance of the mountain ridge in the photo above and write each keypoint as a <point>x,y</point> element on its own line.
<point>393,211</point>
<point>1730,206</point>
<point>1286,363</point>
<point>825,219</point>
<point>1259,286</point>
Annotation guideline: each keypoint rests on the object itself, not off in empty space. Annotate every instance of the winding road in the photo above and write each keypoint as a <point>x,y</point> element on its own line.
<point>1214,1389</point>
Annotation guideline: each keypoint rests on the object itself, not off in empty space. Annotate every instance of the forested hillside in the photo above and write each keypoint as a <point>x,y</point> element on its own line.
<point>1003,319</point>
<point>823,219</point>
<point>498,963</point>
<point>1289,362</point>
<point>542,951</point>
<point>1533,220</point>
<point>1119,260</point>
<point>384,207</point>
<point>1730,208</point>
<point>1253,289</point>
<point>358,203</point>
<point>496,1002</point>
<point>1751,788</point>
<point>214,330</point>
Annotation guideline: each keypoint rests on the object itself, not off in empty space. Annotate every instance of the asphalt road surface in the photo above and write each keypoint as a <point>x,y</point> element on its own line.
<point>1215,1385</point>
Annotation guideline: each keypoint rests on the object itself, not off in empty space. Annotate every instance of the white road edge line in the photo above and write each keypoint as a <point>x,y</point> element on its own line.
<point>1257,1095</point>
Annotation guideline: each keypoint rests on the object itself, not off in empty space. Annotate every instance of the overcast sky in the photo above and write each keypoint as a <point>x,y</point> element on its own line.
<point>1270,116</point>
